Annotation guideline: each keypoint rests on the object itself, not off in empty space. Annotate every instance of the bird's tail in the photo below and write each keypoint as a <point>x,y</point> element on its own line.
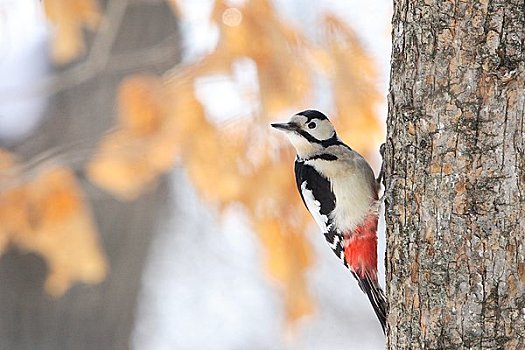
<point>375,294</point>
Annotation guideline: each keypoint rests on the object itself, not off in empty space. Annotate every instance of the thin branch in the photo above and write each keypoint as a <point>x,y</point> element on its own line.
<point>157,54</point>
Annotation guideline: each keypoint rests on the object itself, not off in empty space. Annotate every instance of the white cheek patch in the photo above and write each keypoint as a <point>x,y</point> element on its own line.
<point>314,207</point>
<point>323,131</point>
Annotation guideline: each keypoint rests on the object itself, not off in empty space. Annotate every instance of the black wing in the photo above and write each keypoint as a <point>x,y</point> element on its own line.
<point>317,184</point>
<point>375,294</point>
<point>320,188</point>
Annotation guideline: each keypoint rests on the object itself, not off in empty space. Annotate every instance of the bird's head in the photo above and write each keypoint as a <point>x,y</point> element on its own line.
<point>309,131</point>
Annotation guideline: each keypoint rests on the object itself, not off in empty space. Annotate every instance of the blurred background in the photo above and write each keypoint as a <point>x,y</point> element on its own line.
<point>144,201</point>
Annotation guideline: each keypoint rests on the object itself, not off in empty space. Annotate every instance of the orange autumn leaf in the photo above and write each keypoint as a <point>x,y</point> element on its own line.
<point>7,165</point>
<point>212,162</point>
<point>69,18</point>
<point>122,166</point>
<point>62,231</point>
<point>288,257</point>
<point>281,223</point>
<point>12,214</point>
<point>275,191</point>
<point>275,47</point>
<point>48,216</point>
<point>355,102</point>
<point>162,152</point>
<point>140,101</point>
<point>130,159</point>
<point>185,115</point>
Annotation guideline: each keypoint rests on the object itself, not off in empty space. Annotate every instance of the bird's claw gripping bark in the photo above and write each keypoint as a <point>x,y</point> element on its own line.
<point>381,177</point>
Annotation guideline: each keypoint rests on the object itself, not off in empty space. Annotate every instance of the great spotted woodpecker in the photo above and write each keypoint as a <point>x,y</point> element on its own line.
<point>339,189</point>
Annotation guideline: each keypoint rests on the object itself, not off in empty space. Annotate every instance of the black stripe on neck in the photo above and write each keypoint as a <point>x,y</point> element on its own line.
<point>307,136</point>
<point>332,141</point>
<point>325,143</point>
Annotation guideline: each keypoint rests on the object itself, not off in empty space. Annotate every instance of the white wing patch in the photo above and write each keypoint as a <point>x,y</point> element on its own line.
<point>334,240</point>
<point>335,243</point>
<point>314,207</point>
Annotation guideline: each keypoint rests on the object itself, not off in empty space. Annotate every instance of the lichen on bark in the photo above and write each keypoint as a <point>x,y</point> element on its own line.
<point>455,170</point>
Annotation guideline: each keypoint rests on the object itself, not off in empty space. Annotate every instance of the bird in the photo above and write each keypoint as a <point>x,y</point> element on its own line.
<point>339,189</point>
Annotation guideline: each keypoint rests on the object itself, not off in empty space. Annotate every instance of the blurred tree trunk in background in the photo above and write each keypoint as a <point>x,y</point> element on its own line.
<point>92,316</point>
<point>456,167</point>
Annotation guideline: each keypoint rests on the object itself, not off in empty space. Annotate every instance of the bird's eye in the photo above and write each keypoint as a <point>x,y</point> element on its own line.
<point>312,125</point>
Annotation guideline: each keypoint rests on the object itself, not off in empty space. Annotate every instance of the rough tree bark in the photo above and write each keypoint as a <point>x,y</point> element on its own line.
<point>92,316</point>
<point>456,169</point>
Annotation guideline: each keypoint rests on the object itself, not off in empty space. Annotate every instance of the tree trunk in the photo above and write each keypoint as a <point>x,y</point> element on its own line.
<point>456,170</point>
<point>92,316</point>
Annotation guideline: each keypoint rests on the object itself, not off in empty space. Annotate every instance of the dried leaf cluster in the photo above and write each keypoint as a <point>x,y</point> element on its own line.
<point>69,18</point>
<point>47,215</point>
<point>162,121</point>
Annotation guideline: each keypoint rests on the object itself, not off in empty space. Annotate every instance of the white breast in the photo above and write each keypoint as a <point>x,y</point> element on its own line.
<point>353,184</point>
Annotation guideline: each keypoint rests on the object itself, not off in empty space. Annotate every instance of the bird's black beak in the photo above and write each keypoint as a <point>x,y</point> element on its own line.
<point>285,126</point>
